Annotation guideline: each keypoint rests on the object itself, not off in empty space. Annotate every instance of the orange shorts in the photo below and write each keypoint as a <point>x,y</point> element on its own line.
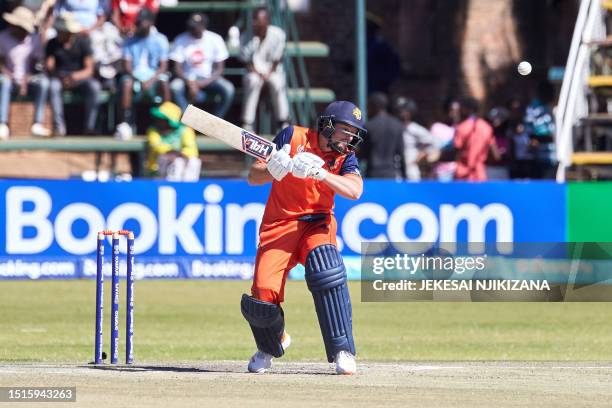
<point>281,247</point>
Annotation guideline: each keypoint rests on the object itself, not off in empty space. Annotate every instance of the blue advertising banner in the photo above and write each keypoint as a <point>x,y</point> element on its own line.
<point>208,230</point>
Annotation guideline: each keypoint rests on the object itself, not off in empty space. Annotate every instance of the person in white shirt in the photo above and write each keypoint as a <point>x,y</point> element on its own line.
<point>262,52</point>
<point>419,143</point>
<point>199,59</point>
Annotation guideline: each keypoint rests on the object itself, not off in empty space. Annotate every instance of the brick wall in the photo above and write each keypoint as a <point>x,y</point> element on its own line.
<point>21,117</point>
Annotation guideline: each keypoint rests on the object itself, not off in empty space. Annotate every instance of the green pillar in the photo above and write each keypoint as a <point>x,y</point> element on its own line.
<point>361,63</point>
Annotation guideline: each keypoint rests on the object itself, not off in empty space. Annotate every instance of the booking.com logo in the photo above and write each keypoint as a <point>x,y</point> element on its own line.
<point>214,228</point>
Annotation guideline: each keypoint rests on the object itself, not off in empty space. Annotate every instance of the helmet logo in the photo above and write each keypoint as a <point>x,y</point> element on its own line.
<point>357,113</point>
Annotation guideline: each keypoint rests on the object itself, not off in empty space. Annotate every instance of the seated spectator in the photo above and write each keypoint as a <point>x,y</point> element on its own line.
<point>473,141</point>
<point>199,56</point>
<point>383,147</point>
<point>124,13</point>
<point>262,52</point>
<point>106,41</point>
<point>419,143</point>
<point>20,50</point>
<point>107,45</point>
<point>89,14</point>
<point>70,65</point>
<point>173,151</point>
<point>145,57</point>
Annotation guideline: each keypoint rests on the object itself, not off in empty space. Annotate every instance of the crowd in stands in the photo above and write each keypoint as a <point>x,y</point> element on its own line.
<point>510,142</point>
<point>84,46</point>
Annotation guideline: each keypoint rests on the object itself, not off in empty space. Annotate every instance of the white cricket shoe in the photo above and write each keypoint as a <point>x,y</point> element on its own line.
<point>123,131</point>
<point>39,130</point>
<point>4,131</point>
<point>262,361</point>
<point>345,363</point>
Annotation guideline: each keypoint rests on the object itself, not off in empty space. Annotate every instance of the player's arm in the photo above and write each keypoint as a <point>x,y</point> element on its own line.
<point>259,174</point>
<point>348,186</point>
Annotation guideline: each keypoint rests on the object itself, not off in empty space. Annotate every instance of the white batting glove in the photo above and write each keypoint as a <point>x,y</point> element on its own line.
<point>317,173</point>
<point>280,163</point>
<point>304,163</point>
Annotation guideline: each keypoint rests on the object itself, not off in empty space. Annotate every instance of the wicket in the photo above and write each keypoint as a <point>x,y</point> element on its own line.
<point>129,315</point>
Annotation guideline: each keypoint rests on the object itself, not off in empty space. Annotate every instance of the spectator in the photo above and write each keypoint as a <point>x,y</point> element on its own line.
<point>107,45</point>
<point>20,50</point>
<point>540,127</point>
<point>199,56</point>
<point>145,58</point>
<point>383,62</point>
<point>70,65</point>
<point>173,152</point>
<point>89,14</point>
<point>444,133</point>
<point>106,41</point>
<point>262,52</point>
<point>384,143</point>
<point>419,143</point>
<point>125,13</point>
<point>473,141</point>
<point>499,119</point>
<point>521,158</point>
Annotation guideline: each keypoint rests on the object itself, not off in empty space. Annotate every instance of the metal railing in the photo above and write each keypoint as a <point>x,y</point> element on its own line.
<point>302,109</point>
<point>573,103</point>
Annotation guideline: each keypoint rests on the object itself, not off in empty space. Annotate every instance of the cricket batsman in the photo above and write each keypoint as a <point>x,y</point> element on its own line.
<point>308,167</point>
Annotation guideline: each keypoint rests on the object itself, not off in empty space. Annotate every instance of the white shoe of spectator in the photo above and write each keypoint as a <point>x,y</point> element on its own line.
<point>4,131</point>
<point>40,131</point>
<point>124,131</point>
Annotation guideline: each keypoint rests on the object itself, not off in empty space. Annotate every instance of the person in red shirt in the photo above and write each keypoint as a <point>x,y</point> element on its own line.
<point>125,13</point>
<point>307,169</point>
<point>474,139</point>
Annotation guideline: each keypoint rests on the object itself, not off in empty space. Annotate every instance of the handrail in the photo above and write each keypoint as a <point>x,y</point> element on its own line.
<point>572,103</point>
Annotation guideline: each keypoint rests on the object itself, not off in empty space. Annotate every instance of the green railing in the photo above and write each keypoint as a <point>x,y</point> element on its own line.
<point>301,109</point>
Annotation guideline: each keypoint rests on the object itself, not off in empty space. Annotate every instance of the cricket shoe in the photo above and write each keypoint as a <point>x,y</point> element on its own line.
<point>345,363</point>
<point>262,361</point>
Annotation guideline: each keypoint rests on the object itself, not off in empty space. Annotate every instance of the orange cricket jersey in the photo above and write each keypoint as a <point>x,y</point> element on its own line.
<point>293,197</point>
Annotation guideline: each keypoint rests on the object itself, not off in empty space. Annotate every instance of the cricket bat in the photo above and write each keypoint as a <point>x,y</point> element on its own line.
<point>236,137</point>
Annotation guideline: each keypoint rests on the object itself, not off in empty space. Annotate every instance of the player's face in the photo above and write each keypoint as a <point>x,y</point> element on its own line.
<point>343,134</point>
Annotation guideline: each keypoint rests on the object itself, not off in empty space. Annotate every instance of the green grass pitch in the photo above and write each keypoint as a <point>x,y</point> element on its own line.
<point>53,321</point>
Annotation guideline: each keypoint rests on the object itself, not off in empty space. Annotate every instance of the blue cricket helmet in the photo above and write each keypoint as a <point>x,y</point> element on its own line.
<point>345,112</point>
<point>342,112</point>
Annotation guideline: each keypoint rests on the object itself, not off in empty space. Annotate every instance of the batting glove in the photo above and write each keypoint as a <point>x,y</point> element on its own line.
<point>280,163</point>
<point>305,163</point>
<point>317,173</point>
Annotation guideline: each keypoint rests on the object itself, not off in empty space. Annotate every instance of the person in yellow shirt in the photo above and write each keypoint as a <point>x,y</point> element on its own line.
<point>173,151</point>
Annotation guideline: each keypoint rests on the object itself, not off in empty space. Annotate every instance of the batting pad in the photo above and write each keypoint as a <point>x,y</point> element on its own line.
<point>326,279</point>
<point>267,323</point>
